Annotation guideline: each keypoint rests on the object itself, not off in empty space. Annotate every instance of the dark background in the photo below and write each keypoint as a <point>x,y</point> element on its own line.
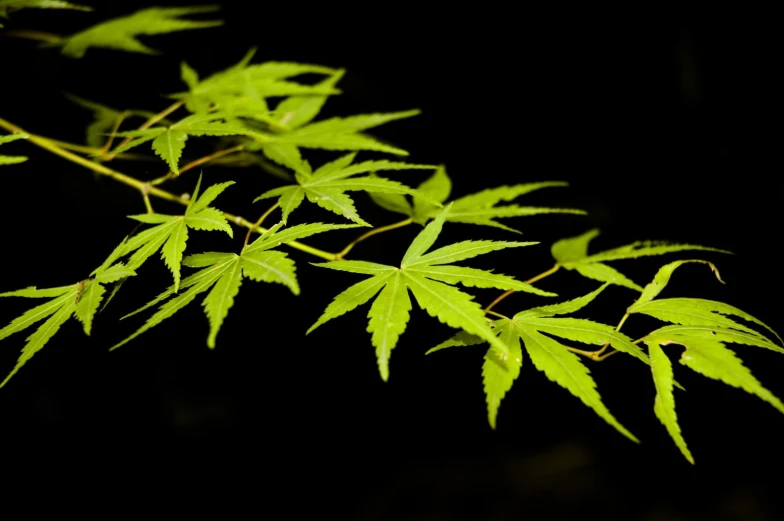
<point>666,126</point>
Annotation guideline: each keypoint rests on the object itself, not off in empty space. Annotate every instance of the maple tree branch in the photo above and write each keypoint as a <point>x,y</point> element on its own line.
<point>258,223</point>
<point>108,146</point>
<point>371,233</point>
<point>99,168</point>
<point>529,281</point>
<point>147,124</point>
<point>197,162</point>
<point>617,328</point>
<point>33,35</point>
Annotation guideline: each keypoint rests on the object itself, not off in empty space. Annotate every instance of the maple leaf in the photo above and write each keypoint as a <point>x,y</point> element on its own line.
<point>500,369</point>
<point>105,119</point>
<point>81,300</point>
<point>9,6</point>
<point>327,186</point>
<point>431,278</point>
<point>12,160</point>
<point>572,254</point>
<point>171,231</point>
<point>121,33</point>
<point>245,87</point>
<point>169,142</point>
<point>222,274</point>
<point>702,327</point>
<point>479,208</point>
<point>344,133</point>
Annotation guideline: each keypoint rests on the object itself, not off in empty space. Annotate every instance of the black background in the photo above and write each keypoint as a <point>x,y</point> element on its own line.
<point>665,125</point>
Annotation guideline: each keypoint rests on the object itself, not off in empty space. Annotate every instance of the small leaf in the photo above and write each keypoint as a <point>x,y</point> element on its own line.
<point>662,278</point>
<point>500,370</point>
<point>389,315</point>
<point>121,33</point>
<point>565,369</point>
<point>89,302</point>
<point>169,146</point>
<point>271,266</point>
<point>221,299</point>
<point>710,358</point>
<point>664,404</point>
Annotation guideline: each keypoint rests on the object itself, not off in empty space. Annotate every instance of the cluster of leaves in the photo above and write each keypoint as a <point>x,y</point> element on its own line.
<point>701,326</point>
<point>240,103</point>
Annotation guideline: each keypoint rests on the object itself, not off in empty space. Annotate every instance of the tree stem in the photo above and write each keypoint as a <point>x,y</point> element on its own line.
<point>198,162</point>
<point>258,223</point>
<point>529,281</point>
<point>371,233</point>
<point>99,168</point>
<point>147,124</point>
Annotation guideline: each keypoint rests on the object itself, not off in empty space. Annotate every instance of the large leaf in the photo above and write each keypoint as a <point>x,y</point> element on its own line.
<point>170,234</point>
<point>81,300</point>
<point>122,33</point>
<point>327,186</point>
<point>572,254</point>
<point>424,276</point>
<point>480,208</point>
<point>562,366</point>
<point>221,275</point>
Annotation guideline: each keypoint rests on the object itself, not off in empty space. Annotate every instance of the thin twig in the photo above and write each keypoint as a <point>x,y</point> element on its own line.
<point>147,124</point>
<point>47,144</point>
<point>529,281</point>
<point>258,223</point>
<point>371,233</point>
<point>197,162</point>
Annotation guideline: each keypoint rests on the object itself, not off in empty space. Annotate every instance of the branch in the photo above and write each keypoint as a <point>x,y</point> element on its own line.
<point>47,144</point>
<point>371,233</point>
<point>529,281</point>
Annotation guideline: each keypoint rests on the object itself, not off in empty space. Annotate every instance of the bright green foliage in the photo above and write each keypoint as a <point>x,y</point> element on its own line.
<point>572,254</point>
<point>698,317</point>
<point>243,87</point>
<point>12,160</point>
<point>169,142</point>
<point>81,299</point>
<point>122,33</point>
<point>9,6</point>
<point>171,231</point>
<point>479,208</point>
<point>328,185</point>
<point>428,276</point>
<point>702,326</point>
<point>664,403</point>
<point>548,355</point>
<point>222,274</point>
<point>105,119</point>
<point>345,133</point>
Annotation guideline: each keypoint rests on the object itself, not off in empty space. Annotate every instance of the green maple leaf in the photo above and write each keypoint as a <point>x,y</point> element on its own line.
<point>481,208</point>
<point>560,365</point>
<point>246,87</point>
<point>702,327</point>
<point>105,118</point>
<point>344,133</point>
<point>572,254</point>
<point>81,300</point>
<point>171,231</point>
<point>9,6</point>
<point>121,33</point>
<point>169,142</point>
<point>431,278</point>
<point>327,186</point>
<point>12,160</point>
<point>223,273</point>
